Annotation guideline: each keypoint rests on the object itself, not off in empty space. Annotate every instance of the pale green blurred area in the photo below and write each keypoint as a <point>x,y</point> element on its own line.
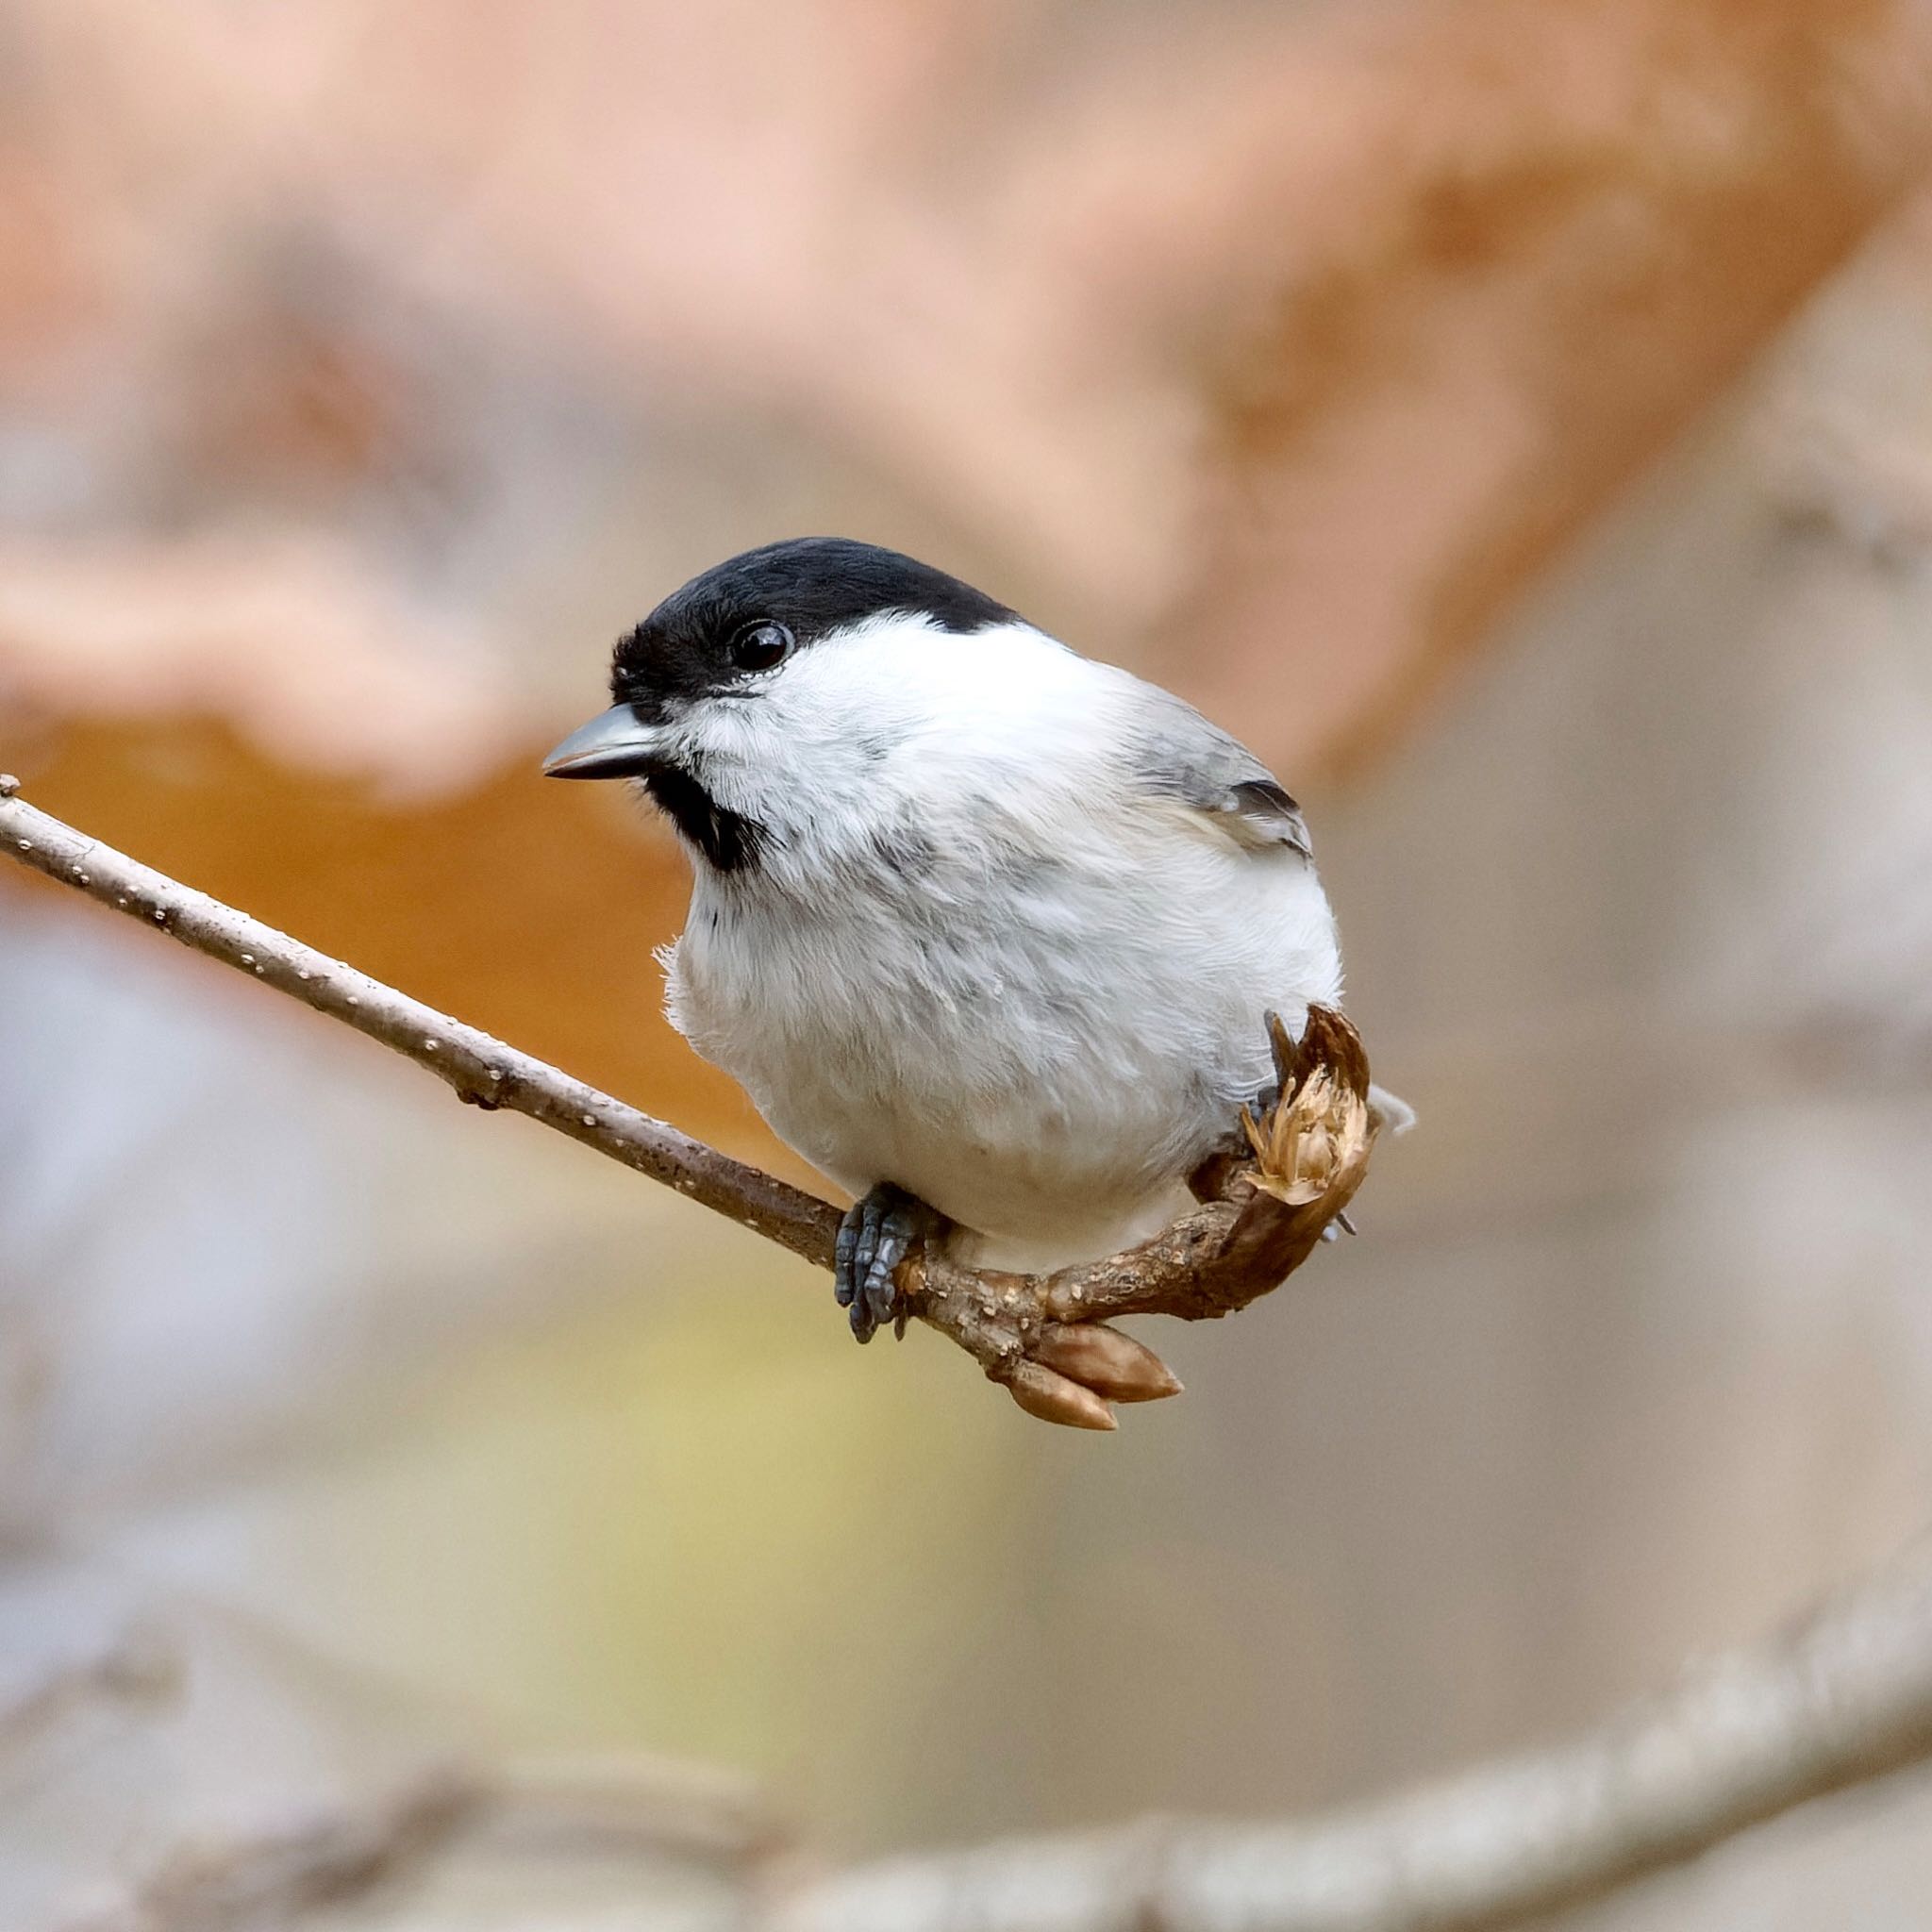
<point>694,1524</point>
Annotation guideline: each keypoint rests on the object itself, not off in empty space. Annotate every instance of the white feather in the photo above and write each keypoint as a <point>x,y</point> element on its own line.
<point>979,957</point>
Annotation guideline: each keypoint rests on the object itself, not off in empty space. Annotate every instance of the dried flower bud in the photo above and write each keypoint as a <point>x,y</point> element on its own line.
<point>1054,1399</point>
<point>1300,1144</point>
<point>1106,1360</point>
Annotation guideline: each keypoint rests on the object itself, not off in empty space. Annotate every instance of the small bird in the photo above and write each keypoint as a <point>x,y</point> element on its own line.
<point>987,929</point>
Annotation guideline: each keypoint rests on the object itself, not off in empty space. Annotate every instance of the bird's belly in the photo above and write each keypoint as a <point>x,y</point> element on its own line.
<point>1042,1176</point>
<point>1049,1090</point>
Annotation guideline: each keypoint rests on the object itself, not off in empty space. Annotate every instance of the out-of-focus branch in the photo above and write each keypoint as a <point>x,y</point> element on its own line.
<point>1042,1337</point>
<point>273,1876</point>
<point>1845,1697</point>
<point>1839,1699</point>
<point>138,1667</point>
<point>336,1854</point>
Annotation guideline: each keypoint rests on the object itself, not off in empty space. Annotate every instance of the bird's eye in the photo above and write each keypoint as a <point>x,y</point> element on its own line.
<point>759,646</point>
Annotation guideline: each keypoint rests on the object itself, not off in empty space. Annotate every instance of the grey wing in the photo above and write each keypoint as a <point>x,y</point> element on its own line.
<point>1181,755</point>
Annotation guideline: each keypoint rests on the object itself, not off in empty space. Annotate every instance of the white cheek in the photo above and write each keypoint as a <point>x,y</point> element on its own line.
<point>895,720</point>
<point>771,754</point>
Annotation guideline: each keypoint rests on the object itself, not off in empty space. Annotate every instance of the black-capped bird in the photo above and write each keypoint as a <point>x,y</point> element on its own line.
<point>988,930</point>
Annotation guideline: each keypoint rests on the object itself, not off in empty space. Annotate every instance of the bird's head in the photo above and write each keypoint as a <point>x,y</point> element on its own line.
<point>745,684</point>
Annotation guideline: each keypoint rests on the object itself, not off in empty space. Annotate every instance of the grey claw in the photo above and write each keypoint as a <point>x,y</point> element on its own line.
<point>1341,1225</point>
<point>874,1237</point>
<point>880,1290</point>
<point>844,1249</point>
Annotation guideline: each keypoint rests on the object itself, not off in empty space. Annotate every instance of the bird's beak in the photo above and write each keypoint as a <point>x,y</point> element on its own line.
<point>617,744</point>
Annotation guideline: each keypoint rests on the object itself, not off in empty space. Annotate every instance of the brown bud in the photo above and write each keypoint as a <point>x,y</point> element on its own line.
<point>1105,1359</point>
<point>1054,1399</point>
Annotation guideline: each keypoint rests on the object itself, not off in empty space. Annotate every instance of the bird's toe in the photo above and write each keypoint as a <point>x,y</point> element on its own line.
<point>877,1235</point>
<point>844,1254</point>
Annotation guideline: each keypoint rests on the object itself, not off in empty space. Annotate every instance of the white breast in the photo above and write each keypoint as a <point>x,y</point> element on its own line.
<point>972,963</point>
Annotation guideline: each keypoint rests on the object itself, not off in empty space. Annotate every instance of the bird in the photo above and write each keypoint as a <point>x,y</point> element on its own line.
<point>988,930</point>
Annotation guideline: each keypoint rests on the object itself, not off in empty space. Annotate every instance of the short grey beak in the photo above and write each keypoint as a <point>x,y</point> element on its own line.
<point>617,744</point>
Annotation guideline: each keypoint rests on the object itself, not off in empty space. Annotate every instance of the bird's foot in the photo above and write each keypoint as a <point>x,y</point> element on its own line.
<point>877,1233</point>
<point>1341,1225</point>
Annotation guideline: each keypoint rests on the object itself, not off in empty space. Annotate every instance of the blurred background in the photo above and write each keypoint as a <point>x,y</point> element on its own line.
<point>1513,416</point>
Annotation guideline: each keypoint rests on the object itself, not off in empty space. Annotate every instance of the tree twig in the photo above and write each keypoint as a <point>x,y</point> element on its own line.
<point>1047,1339</point>
<point>1845,1697</point>
<point>1839,1699</point>
<point>139,1667</point>
<point>297,1865</point>
<point>483,1069</point>
<point>334,1854</point>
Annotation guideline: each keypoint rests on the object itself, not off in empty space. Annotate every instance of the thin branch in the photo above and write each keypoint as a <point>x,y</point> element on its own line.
<point>334,1854</point>
<point>139,1667</point>
<point>1840,1699</point>
<point>1265,1205</point>
<point>483,1069</point>
<point>297,1866</point>
<point>630,1803</point>
<point>1845,1697</point>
